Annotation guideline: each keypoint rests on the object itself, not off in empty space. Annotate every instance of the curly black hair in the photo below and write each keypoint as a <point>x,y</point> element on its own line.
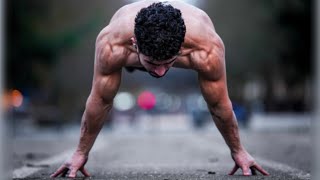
<point>159,31</point>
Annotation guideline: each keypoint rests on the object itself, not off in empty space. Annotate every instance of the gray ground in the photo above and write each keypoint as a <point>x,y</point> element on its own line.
<point>167,155</point>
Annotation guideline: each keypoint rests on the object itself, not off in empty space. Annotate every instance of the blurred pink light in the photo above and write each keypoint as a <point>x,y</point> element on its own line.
<point>146,100</point>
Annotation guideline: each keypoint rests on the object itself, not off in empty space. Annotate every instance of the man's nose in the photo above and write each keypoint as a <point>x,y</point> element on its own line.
<point>160,71</point>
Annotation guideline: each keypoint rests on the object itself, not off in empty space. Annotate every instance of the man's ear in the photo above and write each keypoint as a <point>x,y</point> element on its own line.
<point>133,40</point>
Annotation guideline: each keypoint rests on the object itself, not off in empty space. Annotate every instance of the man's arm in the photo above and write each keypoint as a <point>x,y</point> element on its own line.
<point>212,80</point>
<point>106,81</point>
<point>97,109</point>
<point>220,107</point>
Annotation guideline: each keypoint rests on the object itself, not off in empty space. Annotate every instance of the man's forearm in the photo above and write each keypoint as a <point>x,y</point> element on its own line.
<point>227,124</point>
<point>92,121</point>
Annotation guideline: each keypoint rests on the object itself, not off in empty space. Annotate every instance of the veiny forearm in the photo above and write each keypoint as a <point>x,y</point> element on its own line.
<point>92,121</point>
<point>226,122</point>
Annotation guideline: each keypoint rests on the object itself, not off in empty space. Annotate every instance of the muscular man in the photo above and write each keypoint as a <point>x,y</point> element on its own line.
<point>154,36</point>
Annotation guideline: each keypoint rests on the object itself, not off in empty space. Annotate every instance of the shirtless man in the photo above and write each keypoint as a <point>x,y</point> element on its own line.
<point>154,36</point>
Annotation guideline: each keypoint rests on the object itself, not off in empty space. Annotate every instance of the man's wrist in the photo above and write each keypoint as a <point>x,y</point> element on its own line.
<point>236,150</point>
<point>81,152</point>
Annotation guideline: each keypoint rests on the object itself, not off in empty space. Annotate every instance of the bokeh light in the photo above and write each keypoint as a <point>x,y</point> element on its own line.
<point>164,101</point>
<point>17,98</point>
<point>6,101</point>
<point>147,100</point>
<point>123,101</point>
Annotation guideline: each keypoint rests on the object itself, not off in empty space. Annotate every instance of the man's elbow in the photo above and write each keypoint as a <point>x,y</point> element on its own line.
<point>96,105</point>
<point>222,111</point>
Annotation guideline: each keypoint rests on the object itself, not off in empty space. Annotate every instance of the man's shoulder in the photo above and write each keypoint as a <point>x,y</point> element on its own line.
<point>109,56</point>
<point>129,11</point>
<point>210,61</point>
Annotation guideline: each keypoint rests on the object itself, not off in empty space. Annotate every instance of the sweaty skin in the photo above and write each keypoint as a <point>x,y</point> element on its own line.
<point>202,51</point>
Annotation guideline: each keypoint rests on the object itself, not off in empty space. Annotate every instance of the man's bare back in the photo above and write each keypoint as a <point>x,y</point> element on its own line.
<point>191,43</point>
<point>200,40</point>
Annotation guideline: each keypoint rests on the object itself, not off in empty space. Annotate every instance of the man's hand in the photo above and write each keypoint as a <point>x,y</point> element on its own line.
<point>75,164</point>
<point>246,162</point>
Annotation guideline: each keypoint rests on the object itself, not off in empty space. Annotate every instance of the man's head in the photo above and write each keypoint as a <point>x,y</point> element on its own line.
<point>159,33</point>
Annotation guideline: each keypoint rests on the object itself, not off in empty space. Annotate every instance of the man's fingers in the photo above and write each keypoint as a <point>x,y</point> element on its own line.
<point>59,171</point>
<point>73,173</point>
<point>260,169</point>
<point>235,168</point>
<point>246,171</point>
<point>64,174</point>
<point>85,172</point>
<point>253,171</point>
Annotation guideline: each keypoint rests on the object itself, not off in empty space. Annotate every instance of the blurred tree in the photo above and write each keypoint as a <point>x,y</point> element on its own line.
<point>269,41</point>
<point>34,42</point>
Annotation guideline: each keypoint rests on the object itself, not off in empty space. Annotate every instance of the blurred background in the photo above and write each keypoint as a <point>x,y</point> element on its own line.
<point>50,55</point>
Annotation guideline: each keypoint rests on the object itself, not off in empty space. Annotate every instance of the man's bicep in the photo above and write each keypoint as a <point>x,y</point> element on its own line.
<point>107,73</point>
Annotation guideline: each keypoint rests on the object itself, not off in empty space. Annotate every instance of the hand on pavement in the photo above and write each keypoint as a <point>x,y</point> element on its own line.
<point>74,164</point>
<point>246,162</point>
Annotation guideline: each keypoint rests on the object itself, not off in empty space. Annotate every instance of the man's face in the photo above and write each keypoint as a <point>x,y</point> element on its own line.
<point>155,68</point>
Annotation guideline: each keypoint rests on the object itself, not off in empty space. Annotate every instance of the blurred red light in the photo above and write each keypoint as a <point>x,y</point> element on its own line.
<point>17,98</point>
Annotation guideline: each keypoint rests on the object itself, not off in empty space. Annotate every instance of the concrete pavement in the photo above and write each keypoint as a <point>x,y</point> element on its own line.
<point>174,155</point>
